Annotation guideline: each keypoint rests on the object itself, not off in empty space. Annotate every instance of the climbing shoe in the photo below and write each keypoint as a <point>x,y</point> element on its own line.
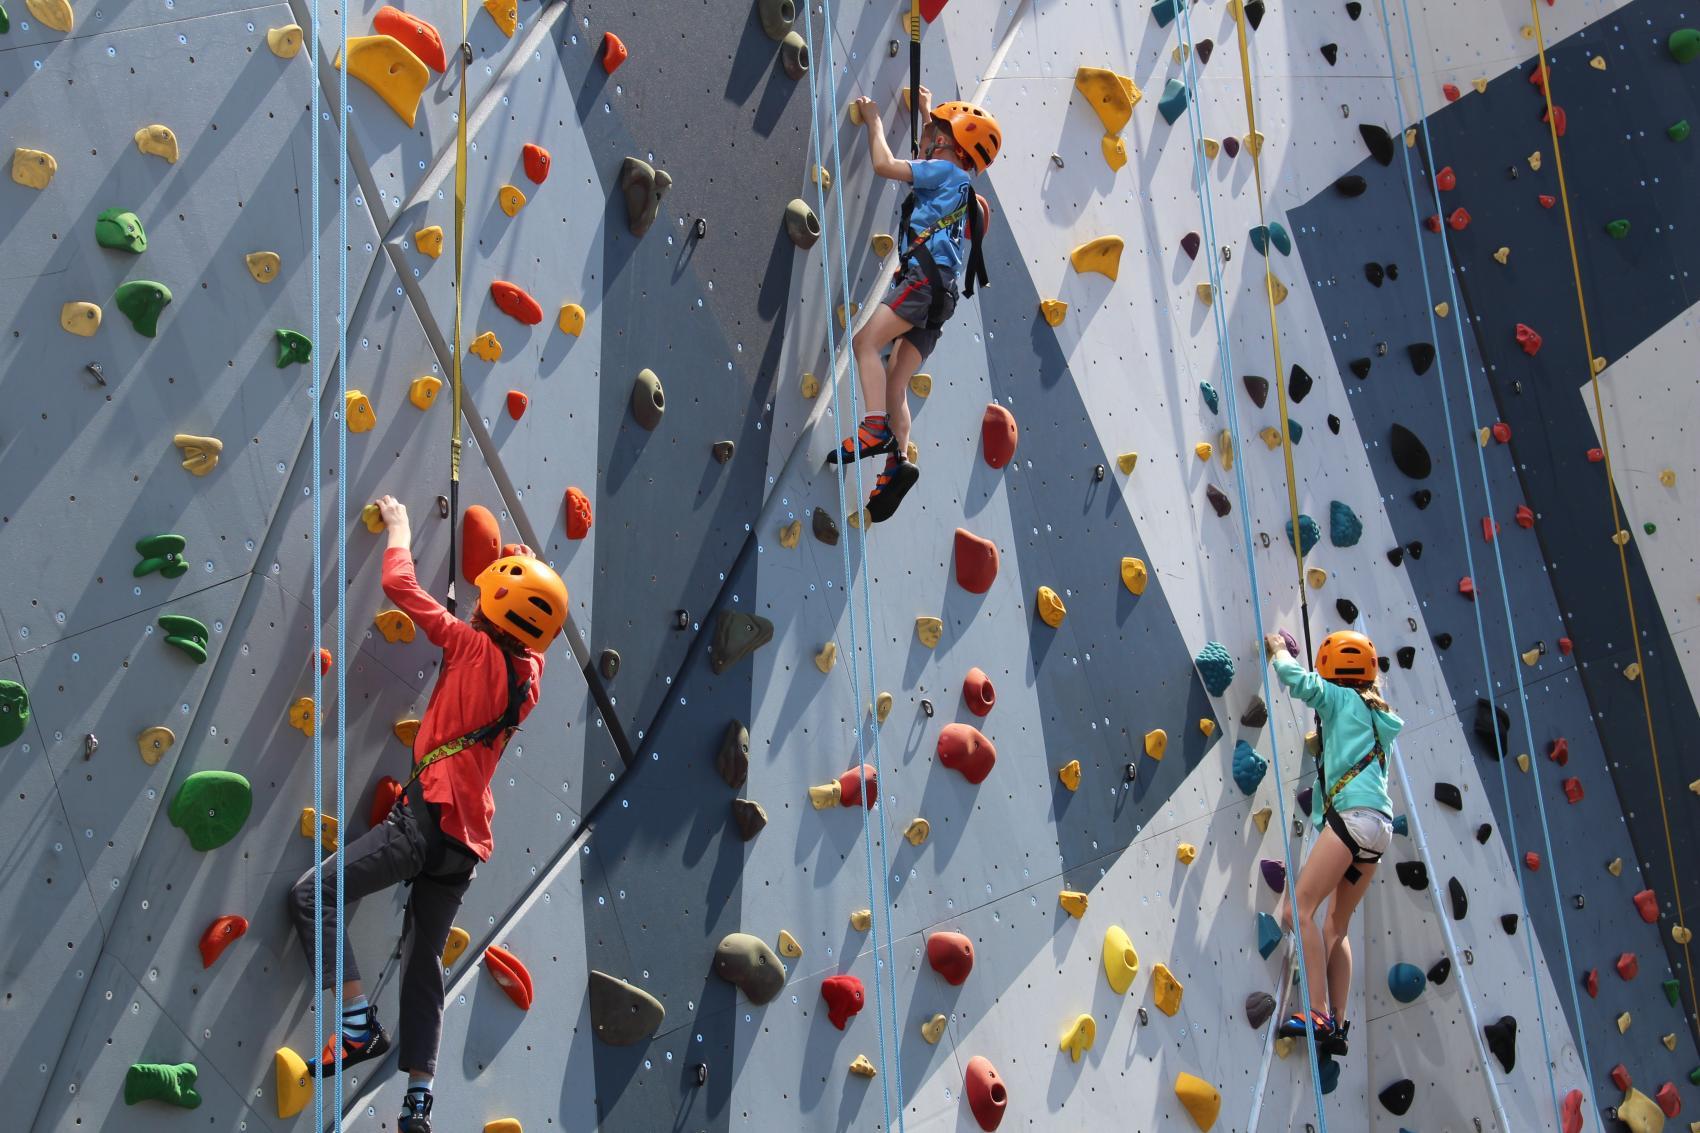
<point>893,484</point>
<point>1334,1046</point>
<point>873,438</point>
<point>415,1113</point>
<point>1294,1027</point>
<point>374,1043</point>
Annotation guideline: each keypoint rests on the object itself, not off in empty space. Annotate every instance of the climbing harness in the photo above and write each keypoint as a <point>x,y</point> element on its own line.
<point>1330,815</point>
<point>499,729</point>
<point>918,251</point>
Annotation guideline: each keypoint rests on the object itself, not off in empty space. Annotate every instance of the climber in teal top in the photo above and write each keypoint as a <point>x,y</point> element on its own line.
<point>958,142</point>
<point>1349,805</point>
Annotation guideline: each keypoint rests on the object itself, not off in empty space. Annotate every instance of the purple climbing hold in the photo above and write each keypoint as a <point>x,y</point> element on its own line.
<point>1218,500</point>
<point>1258,388</point>
<point>1231,146</point>
<point>1274,874</point>
<point>1190,244</point>
<point>1288,640</point>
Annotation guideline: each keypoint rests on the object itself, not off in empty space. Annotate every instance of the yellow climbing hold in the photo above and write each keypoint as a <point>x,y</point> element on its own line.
<point>423,391</point>
<point>862,1068</point>
<point>1623,1023</point>
<point>1316,576</point>
<point>263,266</point>
<point>1166,990</point>
<point>455,945</point>
<point>1080,1036</point>
<point>929,630</point>
<point>1156,743</point>
<point>1112,97</point>
<point>294,1087</point>
<point>1640,1113</point>
<point>571,319</point>
<point>357,410</point>
<point>504,1125</point>
<point>1103,255</point>
<point>933,1029</point>
<point>510,200</point>
<point>846,313</point>
<point>1225,449</point>
<point>1599,365</point>
<point>395,625</point>
<point>1121,962</point>
<point>882,706</point>
<point>1283,1046</point>
<point>1669,1040</point>
<point>1681,933</point>
<point>1202,450</point>
<point>302,717</point>
<point>1053,310</point>
<point>828,655</point>
<point>788,945</point>
<point>406,731</point>
<point>1051,608</point>
<point>788,538</point>
<point>1206,294</point>
<point>154,742</point>
<point>1532,656</point>
<point>33,167</point>
<point>1503,255</point>
<point>822,176</point>
<point>80,319</point>
<point>200,454</point>
<point>826,796</point>
<point>1186,853</point>
<point>487,346</point>
<point>56,14</point>
<point>372,518</point>
<point>325,824</point>
<point>159,141</point>
<point>1212,147</point>
<point>1598,62</point>
<point>1484,435</point>
<point>395,74</point>
<point>1277,291</point>
<point>1535,160</point>
<point>1260,819</point>
<point>1411,137</point>
<point>921,385</point>
<point>1615,867</point>
<point>1271,436</point>
<point>284,41</point>
<point>506,15</point>
<point>881,243</point>
<point>917,832</point>
<point>810,386</point>
<point>1526,31</point>
<point>1621,538</point>
<point>1201,1100</point>
<point>1254,143</point>
<point>862,919</point>
<point>1115,151</point>
<point>1134,575</point>
<point>1523,762</point>
<point>1069,774</point>
<point>1073,903</point>
<point>1632,671</point>
<point>1125,461</point>
<point>1480,85</point>
<point>429,240</point>
<point>1206,726</point>
<point>1443,309</point>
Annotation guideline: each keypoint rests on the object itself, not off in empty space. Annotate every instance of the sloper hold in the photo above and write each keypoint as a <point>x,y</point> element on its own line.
<point>1379,142</point>
<point>1218,500</point>
<point>510,199</point>
<point>1201,1100</point>
<point>801,224</point>
<point>480,542</point>
<point>1110,96</point>
<point>776,17</point>
<point>1448,794</point>
<point>985,1092</point>
<point>1050,607</point>
<point>513,300</point>
<point>394,73</point>
<point>733,758</point>
<point>80,319</point>
<point>1397,1098</point>
<point>1256,713</point>
<point>1421,355</point>
<point>284,41</point>
<point>1173,103</point>
<point>1190,243</point>
<point>1254,10</point>
<point>750,817</point>
<point>1405,982</point>
<point>1298,383</point>
<point>419,36</point>
<point>976,562</point>
<point>844,998</point>
<point>1412,874</point>
<point>1216,667</point>
<point>1103,255</point>
<point>1121,962</point>
<point>1683,44</point>
<point>1249,767</point>
<point>965,749</point>
<point>747,963</point>
<point>1258,389</point>
<point>999,435</point>
<point>1410,455</point>
<point>951,955</point>
<point>1351,185</point>
<point>621,1013</point>
<point>210,807</point>
<point>33,168</point>
<point>1259,1008</point>
<point>220,935</point>
<point>1344,526</point>
<point>978,693</point>
<point>736,636</point>
<point>292,347</point>
<point>291,1082</point>
<point>142,301</point>
<point>825,527</point>
<point>156,1082</point>
<point>649,400</point>
<point>642,186</point>
<point>121,230</point>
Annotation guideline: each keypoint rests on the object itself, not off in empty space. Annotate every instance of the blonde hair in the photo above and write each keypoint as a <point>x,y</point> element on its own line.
<point>1371,693</point>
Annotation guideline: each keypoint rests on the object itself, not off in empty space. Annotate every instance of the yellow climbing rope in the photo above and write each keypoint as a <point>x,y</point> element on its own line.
<point>454,365</point>
<point>1611,490</point>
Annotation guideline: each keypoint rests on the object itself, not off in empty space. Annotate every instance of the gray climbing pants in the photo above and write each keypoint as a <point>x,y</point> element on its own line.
<point>409,845</point>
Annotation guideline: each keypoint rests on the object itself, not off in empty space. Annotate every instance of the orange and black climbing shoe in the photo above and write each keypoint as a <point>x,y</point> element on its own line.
<point>873,438</point>
<point>1294,1027</point>
<point>893,484</point>
<point>374,1044</point>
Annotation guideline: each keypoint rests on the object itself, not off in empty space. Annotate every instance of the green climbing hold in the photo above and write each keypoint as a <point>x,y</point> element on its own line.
<point>187,634</point>
<point>120,229</point>
<point>157,1082</point>
<point>736,636</point>
<point>163,553</point>
<point>1211,397</point>
<point>142,300</point>
<point>1617,229</point>
<point>1344,526</point>
<point>1684,44</point>
<point>1649,527</point>
<point>293,346</point>
<point>1678,132</point>
<point>1173,103</point>
<point>14,711</point>
<point>5,20</point>
<point>211,807</point>
<point>1673,992</point>
<point>1309,533</point>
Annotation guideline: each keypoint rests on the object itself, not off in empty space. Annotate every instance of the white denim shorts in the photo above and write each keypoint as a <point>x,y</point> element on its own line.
<point>1372,829</point>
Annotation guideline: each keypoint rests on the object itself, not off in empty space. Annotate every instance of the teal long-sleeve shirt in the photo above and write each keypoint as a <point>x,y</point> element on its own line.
<point>1348,737</point>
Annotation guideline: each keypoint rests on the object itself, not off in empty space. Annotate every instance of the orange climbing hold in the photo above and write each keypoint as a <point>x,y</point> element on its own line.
<point>536,160</point>
<point>220,935</point>
<point>579,517</point>
<point>1532,862</point>
<point>419,36</point>
<point>326,660</point>
<point>1467,587</point>
<point>976,562</point>
<point>480,542</point>
<point>613,52</point>
<point>1451,91</point>
<point>1501,432</point>
<point>517,402</point>
<point>1525,516</point>
<point>1647,904</point>
<point>384,796</point>
<point>1627,965</point>
<point>510,975</point>
<point>998,435</point>
<point>1559,751</point>
<point>512,299</point>
<point>1547,200</point>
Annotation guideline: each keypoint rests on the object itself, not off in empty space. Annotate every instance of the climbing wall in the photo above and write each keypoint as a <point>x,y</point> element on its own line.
<point>1054,905</point>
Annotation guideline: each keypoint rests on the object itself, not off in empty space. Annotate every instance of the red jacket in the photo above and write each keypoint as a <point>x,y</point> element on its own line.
<point>470,692</point>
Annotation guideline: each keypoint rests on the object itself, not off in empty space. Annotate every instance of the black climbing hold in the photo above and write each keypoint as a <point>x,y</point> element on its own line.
<point>681,619</point>
<point>1202,49</point>
<point>1334,424</point>
<point>1406,656</point>
<point>1258,388</point>
<point>1359,368</point>
<point>1259,1007</point>
<point>1354,9</point>
<point>1421,355</point>
<point>609,664</point>
<point>1412,875</point>
<point>749,816</point>
<point>1443,641</point>
<point>1508,922</point>
<point>1218,500</point>
<point>1254,13</point>
<point>1392,274</point>
<point>1331,52</point>
<point>1421,497</point>
<point>1351,185</point>
<point>1298,383</point>
<point>1410,455</point>
<point>1396,556</point>
<point>700,1070</point>
<point>1256,713</point>
<point>1460,900</point>
<point>1347,609</point>
<point>1303,798</point>
<point>1378,140</point>
<point>1441,970</point>
<point>1502,1040</point>
<point>733,759</point>
<point>825,527</point>
<point>723,451</point>
<point>736,636</point>
<point>1492,723</point>
<point>1414,548</point>
<point>1398,1097</point>
<point>1484,832</point>
<point>1373,273</point>
<point>1190,244</point>
<point>1383,664</point>
<point>1448,794</point>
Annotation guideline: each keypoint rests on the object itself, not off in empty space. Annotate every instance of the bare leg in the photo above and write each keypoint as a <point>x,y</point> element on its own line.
<point>1318,877</point>
<point>905,360</point>
<point>870,342</point>
<point>1341,908</point>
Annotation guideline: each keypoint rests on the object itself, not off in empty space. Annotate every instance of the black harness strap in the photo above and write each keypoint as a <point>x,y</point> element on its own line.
<point>918,251</point>
<point>1332,816</point>
<point>500,728</point>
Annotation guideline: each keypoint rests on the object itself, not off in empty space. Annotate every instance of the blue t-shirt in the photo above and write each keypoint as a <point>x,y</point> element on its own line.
<point>941,187</point>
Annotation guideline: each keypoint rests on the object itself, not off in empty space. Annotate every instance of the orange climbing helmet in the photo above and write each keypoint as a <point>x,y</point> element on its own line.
<point>523,597</point>
<point>1346,656</point>
<point>974,131</point>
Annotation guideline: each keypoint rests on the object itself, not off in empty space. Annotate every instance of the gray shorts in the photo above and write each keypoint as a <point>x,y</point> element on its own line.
<point>911,299</point>
<point>1372,829</point>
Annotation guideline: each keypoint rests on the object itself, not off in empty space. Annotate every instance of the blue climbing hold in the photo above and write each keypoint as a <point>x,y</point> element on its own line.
<point>1216,667</point>
<point>1406,982</point>
<point>1164,11</point>
<point>1402,826</point>
<point>1266,234</point>
<point>1173,103</point>
<point>1309,533</point>
<point>1211,397</point>
<point>1328,1073</point>
<point>1295,430</point>
<point>1249,767</point>
<point>1344,526</point>
<point>1268,935</point>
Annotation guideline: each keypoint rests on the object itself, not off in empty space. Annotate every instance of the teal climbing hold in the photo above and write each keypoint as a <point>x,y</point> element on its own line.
<point>1678,132</point>
<point>1211,397</point>
<point>1684,44</point>
<point>120,229</point>
<point>1402,825</point>
<point>1216,667</point>
<point>1272,233</point>
<point>293,346</point>
<point>1309,533</point>
<point>1328,1074</point>
<point>1617,229</point>
<point>157,1082</point>
<point>1406,982</point>
<point>1164,11</point>
<point>142,300</point>
<point>1249,767</point>
<point>1295,431</point>
<point>211,807</point>
<point>1173,103</point>
<point>14,711</point>
<point>1268,935</point>
<point>1344,526</point>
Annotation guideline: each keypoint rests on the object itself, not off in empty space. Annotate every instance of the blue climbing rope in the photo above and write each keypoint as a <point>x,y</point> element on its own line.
<point>1498,559</point>
<point>318,574</point>
<point>876,909</point>
<point>341,405</point>
<point>1207,213</point>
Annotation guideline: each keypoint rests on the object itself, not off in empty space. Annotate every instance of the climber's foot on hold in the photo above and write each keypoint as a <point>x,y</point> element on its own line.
<point>873,438</point>
<point>354,1044</point>
<point>415,1112</point>
<point>1294,1027</point>
<point>893,484</point>
<point>1335,1045</point>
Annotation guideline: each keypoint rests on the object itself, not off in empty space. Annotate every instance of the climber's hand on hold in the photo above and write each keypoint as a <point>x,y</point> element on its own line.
<point>1272,644</point>
<point>394,514</point>
<point>924,99</point>
<point>869,110</point>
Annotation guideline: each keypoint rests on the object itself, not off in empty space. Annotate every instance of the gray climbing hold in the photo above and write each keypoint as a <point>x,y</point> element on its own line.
<point>643,186</point>
<point>825,527</point>
<point>622,1014</point>
<point>750,818</point>
<point>1249,767</point>
<point>1344,526</point>
<point>748,964</point>
<point>1216,667</point>
<point>794,55</point>
<point>1211,397</point>
<point>736,636</point>
<point>733,759</point>
<point>776,17</point>
<point>1256,713</point>
<point>1405,982</point>
<point>1259,1007</point>
<point>121,230</point>
<point>801,224</point>
<point>14,711</point>
<point>649,400</point>
<point>1410,455</point>
<point>1173,103</point>
<point>211,806</point>
<point>1309,533</point>
<point>1268,935</point>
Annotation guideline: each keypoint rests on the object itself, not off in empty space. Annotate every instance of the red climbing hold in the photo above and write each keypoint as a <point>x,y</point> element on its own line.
<point>1591,984</point>
<point>1432,223</point>
<point>1538,78</point>
<point>1531,861</point>
<point>1502,432</point>
<point>613,52</point>
<point>1446,180</point>
<point>1451,91</point>
<point>1559,751</point>
<point>1572,789</point>
<point>1570,1114</point>
<point>536,160</point>
<point>976,562</point>
<point>1489,529</point>
<point>930,9</point>
<point>977,691</point>
<point>952,956</point>
<point>1459,220</point>
<point>1565,645</point>
<point>844,998</point>
<point>1558,119</point>
<point>1667,1099</point>
<point>998,435</point>
<point>850,786</point>
<point>1628,966</point>
<point>1595,455</point>
<point>962,747</point>
<point>579,517</point>
<point>985,1091</point>
<point>325,661</point>
<point>1467,588</point>
<point>384,796</point>
<point>1620,1077</point>
<point>1525,516</point>
<point>1528,339</point>
<point>510,975</point>
<point>1647,904</point>
<point>219,936</point>
<point>480,542</point>
<point>513,300</point>
<point>517,402</point>
<point>1547,200</point>
<point>413,33</point>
